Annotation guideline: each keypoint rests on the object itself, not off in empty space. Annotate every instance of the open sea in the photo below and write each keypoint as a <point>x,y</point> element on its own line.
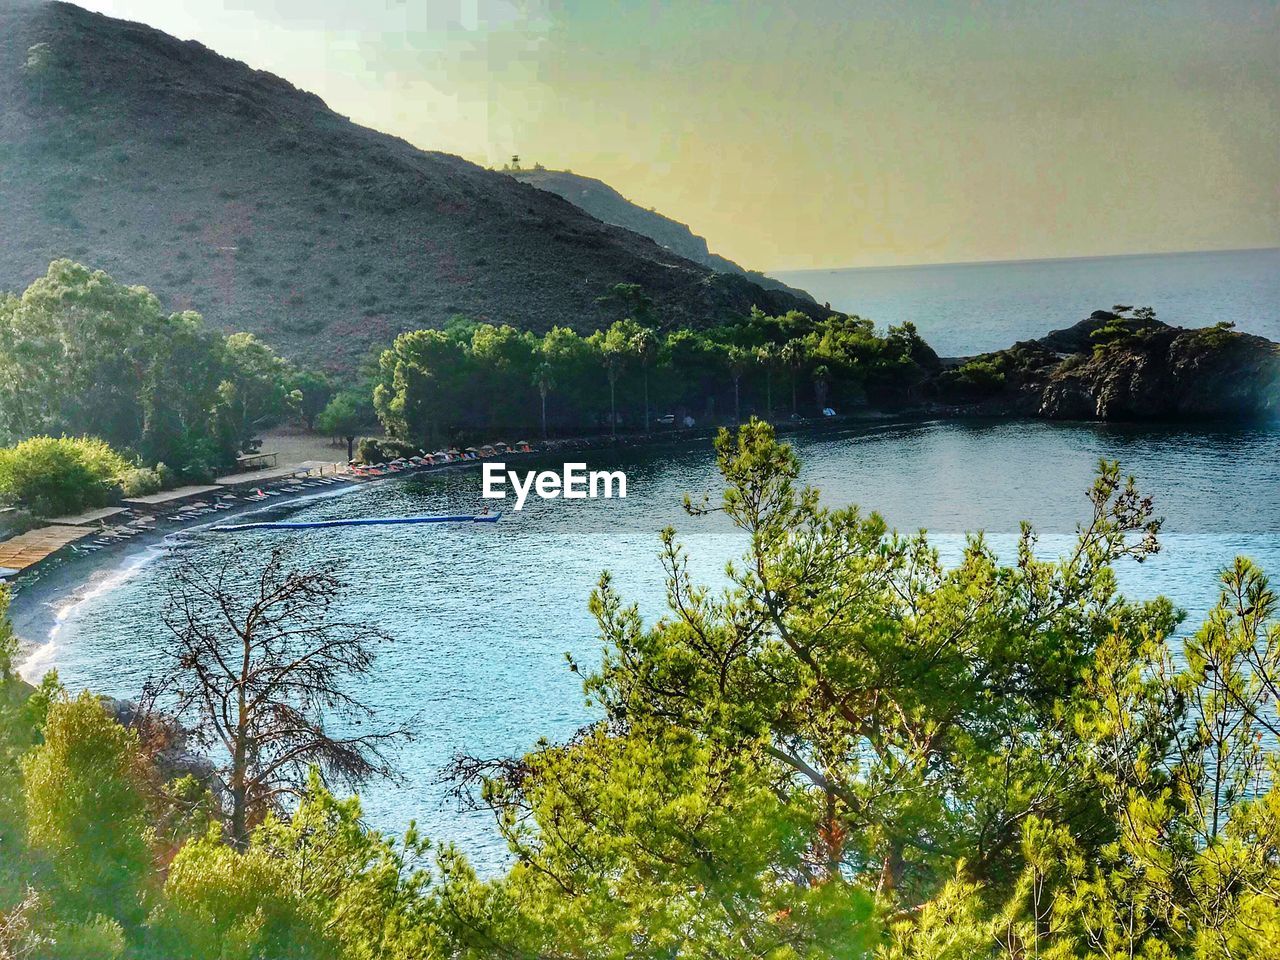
<point>963,309</point>
<point>483,614</point>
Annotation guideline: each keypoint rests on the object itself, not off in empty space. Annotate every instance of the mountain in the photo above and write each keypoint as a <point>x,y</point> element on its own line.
<point>607,204</point>
<point>227,190</point>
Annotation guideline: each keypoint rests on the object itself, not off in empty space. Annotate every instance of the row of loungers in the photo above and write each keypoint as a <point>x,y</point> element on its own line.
<point>139,524</point>
<point>439,457</point>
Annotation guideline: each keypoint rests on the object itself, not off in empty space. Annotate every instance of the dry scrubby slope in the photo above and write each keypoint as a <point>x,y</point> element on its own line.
<point>229,191</point>
<point>607,204</point>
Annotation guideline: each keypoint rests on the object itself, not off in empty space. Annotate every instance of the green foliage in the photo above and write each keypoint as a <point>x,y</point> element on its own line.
<point>84,808</point>
<point>8,639</point>
<point>81,353</point>
<point>255,393</point>
<point>375,893</point>
<point>60,475</point>
<point>479,379</point>
<point>345,415</point>
<point>236,906</point>
<point>1128,326</point>
<point>989,374</point>
<point>980,377</point>
<point>143,481</point>
<point>852,750</point>
<point>383,449</point>
<point>1217,336</point>
<point>98,938</point>
<point>659,843</point>
<point>313,390</point>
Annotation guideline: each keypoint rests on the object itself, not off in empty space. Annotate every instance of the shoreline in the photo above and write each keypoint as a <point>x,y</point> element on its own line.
<point>43,600</point>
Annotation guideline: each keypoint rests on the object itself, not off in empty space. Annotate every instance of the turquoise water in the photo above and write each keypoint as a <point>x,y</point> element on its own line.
<point>484,614</point>
<point>962,309</point>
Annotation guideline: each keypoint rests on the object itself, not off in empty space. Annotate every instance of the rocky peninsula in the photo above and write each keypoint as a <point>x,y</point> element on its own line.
<point>1120,364</point>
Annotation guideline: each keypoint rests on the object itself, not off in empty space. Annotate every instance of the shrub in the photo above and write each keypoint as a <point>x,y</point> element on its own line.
<point>382,449</point>
<point>141,481</point>
<point>84,808</point>
<point>220,903</point>
<point>54,475</point>
<point>98,937</point>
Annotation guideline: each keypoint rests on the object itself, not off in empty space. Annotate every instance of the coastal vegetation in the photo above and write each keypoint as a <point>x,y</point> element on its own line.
<point>57,475</point>
<point>850,750</point>
<point>471,380</point>
<point>85,356</point>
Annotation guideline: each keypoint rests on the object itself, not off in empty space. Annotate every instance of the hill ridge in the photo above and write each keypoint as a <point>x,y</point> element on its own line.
<point>228,190</point>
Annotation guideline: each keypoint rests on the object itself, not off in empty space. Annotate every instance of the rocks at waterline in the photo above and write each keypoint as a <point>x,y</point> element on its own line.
<point>1119,365</point>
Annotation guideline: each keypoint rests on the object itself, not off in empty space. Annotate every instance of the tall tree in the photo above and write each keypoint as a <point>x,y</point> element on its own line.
<point>345,416</point>
<point>767,357</point>
<point>85,808</point>
<point>821,384</point>
<point>419,380</point>
<point>615,346</point>
<point>738,360</point>
<point>314,389</point>
<point>263,672</point>
<point>545,382</point>
<point>644,347</point>
<point>793,355</point>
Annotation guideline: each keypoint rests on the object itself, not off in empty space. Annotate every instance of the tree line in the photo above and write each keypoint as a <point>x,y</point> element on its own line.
<point>479,379</point>
<point>84,355</point>
<point>851,751</point>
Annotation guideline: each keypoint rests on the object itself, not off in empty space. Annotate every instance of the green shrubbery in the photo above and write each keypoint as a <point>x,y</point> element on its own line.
<point>144,481</point>
<point>59,475</point>
<point>852,751</point>
<point>383,449</point>
<point>81,353</point>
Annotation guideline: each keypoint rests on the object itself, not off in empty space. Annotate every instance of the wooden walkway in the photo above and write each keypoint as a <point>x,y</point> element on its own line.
<point>256,477</point>
<point>92,516</point>
<point>28,549</point>
<point>159,501</point>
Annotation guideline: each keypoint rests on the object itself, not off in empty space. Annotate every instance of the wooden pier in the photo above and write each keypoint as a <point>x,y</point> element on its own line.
<point>28,549</point>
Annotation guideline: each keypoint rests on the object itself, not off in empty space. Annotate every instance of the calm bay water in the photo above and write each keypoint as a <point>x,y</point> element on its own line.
<point>963,309</point>
<point>483,615</point>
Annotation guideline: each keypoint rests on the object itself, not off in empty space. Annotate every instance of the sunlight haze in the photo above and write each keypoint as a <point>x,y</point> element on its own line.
<point>821,134</point>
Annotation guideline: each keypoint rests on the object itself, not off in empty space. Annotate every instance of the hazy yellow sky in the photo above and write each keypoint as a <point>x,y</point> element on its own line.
<point>819,133</point>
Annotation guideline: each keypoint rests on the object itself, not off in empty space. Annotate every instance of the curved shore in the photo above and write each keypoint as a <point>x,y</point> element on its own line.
<point>44,599</point>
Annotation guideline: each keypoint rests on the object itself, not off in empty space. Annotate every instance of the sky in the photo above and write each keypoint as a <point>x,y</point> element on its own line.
<point>819,133</point>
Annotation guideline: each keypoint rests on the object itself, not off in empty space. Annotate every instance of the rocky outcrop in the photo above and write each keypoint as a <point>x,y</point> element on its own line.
<point>1121,366</point>
<point>1170,373</point>
<point>166,742</point>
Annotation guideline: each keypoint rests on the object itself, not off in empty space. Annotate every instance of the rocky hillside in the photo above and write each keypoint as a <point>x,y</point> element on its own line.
<point>229,191</point>
<point>607,204</point>
<point>1123,365</point>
